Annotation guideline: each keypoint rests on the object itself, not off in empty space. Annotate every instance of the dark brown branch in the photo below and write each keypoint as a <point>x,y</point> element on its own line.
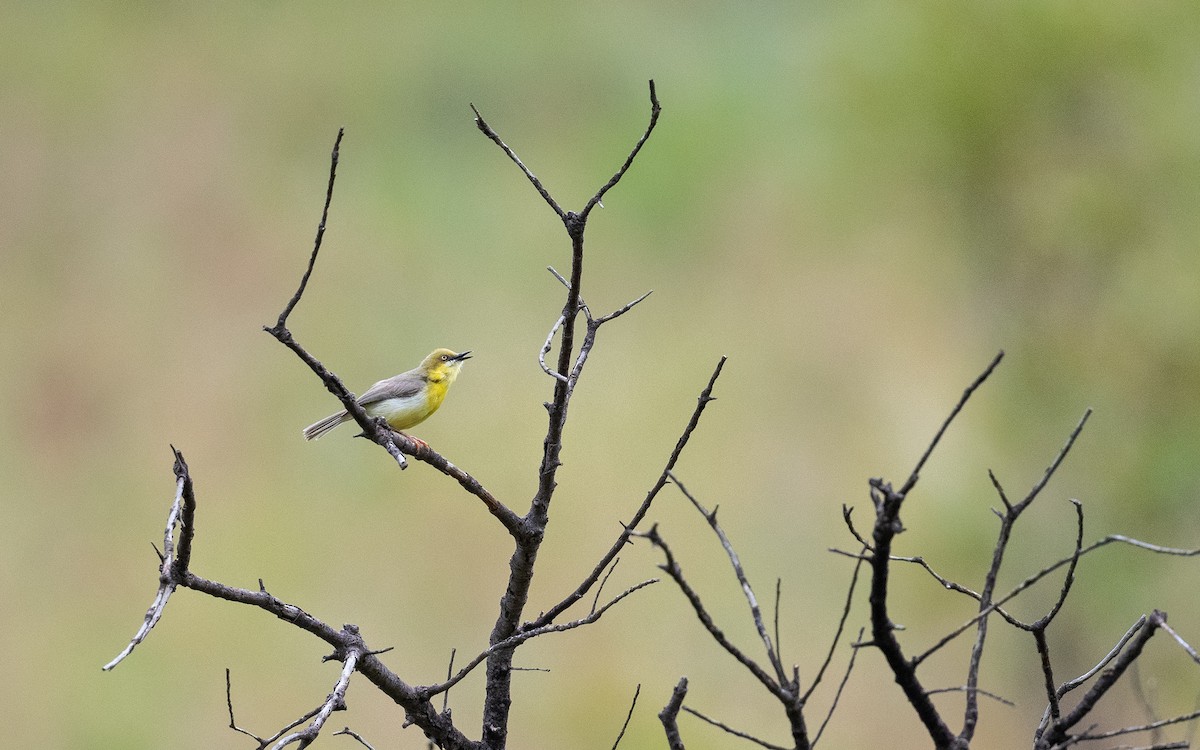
<point>739,572</point>
<point>730,730</point>
<point>528,535</point>
<point>537,184</point>
<point>355,735</point>
<point>580,591</point>
<point>841,685</point>
<point>655,109</point>
<point>974,386</point>
<point>233,722</point>
<point>837,636</point>
<point>671,568</point>
<point>1053,733</point>
<point>376,429</point>
<point>513,641</point>
<point>669,716</point>
<point>427,455</point>
<point>888,502</point>
<point>633,704</point>
<point>1007,521</point>
<point>312,259</point>
<point>345,642</point>
<point>187,517</point>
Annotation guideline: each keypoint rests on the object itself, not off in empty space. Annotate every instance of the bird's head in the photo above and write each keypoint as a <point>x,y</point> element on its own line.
<point>443,363</point>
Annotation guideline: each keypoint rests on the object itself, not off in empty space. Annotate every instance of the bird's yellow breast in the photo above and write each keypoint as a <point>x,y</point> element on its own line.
<point>402,413</point>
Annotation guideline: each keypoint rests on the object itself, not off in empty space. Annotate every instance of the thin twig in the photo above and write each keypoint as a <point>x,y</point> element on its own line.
<point>1031,580</point>
<point>600,588</point>
<point>837,635</point>
<point>740,573</point>
<point>312,259</point>
<point>1150,726</point>
<point>730,730</point>
<point>527,634</point>
<point>355,735</point>
<point>537,184</point>
<point>837,696</point>
<point>963,689</point>
<point>233,722</point>
<point>1182,643</point>
<point>632,705</point>
<point>887,502</point>
<point>974,386</point>
<point>671,568</point>
<point>1007,521</point>
<point>655,109</point>
<point>628,528</point>
<point>335,701</point>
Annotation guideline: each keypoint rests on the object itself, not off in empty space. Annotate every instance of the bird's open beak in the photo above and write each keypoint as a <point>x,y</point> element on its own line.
<point>460,357</point>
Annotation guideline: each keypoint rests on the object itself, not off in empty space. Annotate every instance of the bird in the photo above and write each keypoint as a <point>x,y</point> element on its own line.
<point>404,400</point>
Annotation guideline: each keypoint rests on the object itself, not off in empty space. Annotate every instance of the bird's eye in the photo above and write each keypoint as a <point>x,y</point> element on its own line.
<point>444,358</point>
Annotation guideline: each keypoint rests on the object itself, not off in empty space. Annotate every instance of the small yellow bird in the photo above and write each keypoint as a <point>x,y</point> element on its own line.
<point>406,399</point>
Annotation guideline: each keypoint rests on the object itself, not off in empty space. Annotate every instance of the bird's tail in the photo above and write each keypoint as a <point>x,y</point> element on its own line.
<point>317,429</point>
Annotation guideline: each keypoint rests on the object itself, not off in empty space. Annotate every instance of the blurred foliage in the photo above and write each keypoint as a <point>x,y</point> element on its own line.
<point>858,202</point>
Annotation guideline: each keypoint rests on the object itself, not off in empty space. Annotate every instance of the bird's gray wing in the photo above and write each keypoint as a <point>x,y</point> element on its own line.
<point>404,385</point>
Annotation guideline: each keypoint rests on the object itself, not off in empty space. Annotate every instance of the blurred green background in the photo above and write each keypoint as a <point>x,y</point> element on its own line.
<point>859,203</point>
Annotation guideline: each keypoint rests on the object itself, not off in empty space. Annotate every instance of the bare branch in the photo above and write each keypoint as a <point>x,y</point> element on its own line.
<point>1007,521</point>
<point>735,561</point>
<point>527,634</point>
<point>512,522</point>
<point>600,588</point>
<point>963,689</point>
<point>837,636</point>
<point>233,722</point>
<point>1182,643</point>
<point>375,429</point>
<point>546,347</point>
<point>775,627</point>
<point>537,184</point>
<point>528,536</point>
<point>671,568</point>
<point>837,696</point>
<point>335,701</point>
<point>846,511</point>
<point>730,730</point>
<point>628,529</point>
<point>655,109</point>
<point>669,716</point>
<point>350,732</point>
<point>1149,727</point>
<point>1051,733</point>
<point>888,502</point>
<point>633,704</point>
<point>168,568</point>
<point>622,309</point>
<point>312,259</point>
<point>916,472</point>
<point>1053,467</point>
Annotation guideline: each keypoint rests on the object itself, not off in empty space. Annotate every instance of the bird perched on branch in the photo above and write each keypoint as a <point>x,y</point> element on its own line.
<point>404,400</point>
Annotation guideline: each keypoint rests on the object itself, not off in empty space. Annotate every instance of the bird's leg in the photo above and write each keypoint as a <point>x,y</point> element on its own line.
<point>420,443</point>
